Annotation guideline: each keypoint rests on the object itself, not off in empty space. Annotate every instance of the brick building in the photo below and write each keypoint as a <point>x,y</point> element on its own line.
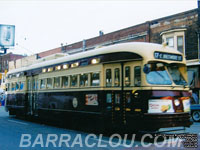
<point>4,64</point>
<point>180,31</point>
<point>6,58</point>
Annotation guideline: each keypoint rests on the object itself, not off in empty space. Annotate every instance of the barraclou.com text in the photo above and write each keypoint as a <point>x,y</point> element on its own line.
<point>92,140</point>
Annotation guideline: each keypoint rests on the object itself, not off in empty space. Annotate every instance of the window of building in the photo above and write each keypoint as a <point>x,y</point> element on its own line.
<point>170,41</point>
<point>49,83</point>
<point>42,83</point>
<point>74,80</point>
<point>180,43</point>
<point>95,80</point>
<point>108,77</point>
<point>127,76</point>
<point>84,80</point>
<point>65,81</point>
<point>175,38</point>
<point>117,77</point>
<point>137,76</point>
<point>57,82</point>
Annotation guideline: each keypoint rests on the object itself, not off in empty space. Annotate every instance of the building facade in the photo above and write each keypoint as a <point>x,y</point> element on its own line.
<point>4,65</point>
<point>181,31</point>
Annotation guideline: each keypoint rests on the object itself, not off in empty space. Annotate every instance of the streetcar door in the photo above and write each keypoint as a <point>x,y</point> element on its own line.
<point>32,86</point>
<point>132,83</point>
<point>114,94</point>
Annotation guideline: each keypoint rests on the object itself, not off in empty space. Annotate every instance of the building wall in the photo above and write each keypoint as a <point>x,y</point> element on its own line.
<point>188,20</point>
<point>6,58</point>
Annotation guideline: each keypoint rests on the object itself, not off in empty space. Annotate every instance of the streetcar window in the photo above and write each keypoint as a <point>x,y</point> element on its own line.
<point>37,84</point>
<point>57,82</point>
<point>17,75</point>
<point>117,98</point>
<point>50,69</point>
<point>157,74</point>
<point>137,76</point>
<point>84,80</point>
<point>95,81</point>
<point>58,67</point>
<point>127,76</point>
<point>74,80</point>
<point>8,87</point>
<point>117,77</point>
<point>108,77</point>
<point>128,97</point>
<point>64,81</point>
<point>109,98</point>
<point>13,86</point>
<point>49,83</point>
<point>42,84</point>
<point>34,84</point>
<point>175,72</point>
<point>21,85</point>
<point>29,85</point>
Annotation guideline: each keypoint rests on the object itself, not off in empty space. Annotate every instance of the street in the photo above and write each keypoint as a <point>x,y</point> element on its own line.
<point>18,134</point>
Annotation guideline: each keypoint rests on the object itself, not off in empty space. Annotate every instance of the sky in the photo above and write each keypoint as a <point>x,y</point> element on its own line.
<point>42,25</point>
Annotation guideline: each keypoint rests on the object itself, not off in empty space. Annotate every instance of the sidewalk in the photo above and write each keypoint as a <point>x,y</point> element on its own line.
<point>3,112</point>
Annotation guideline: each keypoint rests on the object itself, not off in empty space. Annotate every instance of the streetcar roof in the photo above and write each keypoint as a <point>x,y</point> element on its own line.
<point>145,50</point>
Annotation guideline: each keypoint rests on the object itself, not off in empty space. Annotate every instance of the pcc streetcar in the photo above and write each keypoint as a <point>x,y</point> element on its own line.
<point>133,85</point>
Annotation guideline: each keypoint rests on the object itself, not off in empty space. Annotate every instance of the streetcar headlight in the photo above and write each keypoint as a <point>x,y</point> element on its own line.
<point>176,102</point>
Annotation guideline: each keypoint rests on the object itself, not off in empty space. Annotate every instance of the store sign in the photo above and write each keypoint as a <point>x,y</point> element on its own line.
<point>7,35</point>
<point>160,106</point>
<point>167,56</point>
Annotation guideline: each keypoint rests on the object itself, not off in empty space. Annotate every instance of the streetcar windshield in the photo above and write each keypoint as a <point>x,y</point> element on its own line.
<point>175,72</point>
<point>164,74</point>
<point>156,73</point>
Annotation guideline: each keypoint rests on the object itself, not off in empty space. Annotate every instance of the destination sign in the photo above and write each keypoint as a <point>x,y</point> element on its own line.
<point>167,56</point>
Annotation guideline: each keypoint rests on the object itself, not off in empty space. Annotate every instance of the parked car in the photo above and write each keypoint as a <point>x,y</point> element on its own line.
<point>195,108</point>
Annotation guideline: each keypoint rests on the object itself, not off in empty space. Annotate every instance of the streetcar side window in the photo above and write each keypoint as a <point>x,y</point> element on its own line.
<point>21,85</point>
<point>49,83</point>
<point>42,84</point>
<point>13,86</point>
<point>65,81</point>
<point>117,98</point>
<point>84,80</point>
<point>117,77</point>
<point>37,84</point>
<point>34,84</point>
<point>95,80</point>
<point>8,87</point>
<point>127,76</point>
<point>108,77</point>
<point>17,86</point>
<point>57,82</point>
<point>109,98</point>
<point>29,84</point>
<point>137,76</point>
<point>74,80</point>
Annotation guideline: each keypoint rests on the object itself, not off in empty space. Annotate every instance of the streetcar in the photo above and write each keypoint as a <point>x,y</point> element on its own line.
<point>134,85</point>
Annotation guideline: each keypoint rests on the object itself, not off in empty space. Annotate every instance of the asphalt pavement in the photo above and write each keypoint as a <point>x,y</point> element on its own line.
<point>19,134</point>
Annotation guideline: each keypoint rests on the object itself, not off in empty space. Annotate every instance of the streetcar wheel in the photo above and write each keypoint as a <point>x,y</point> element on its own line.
<point>196,116</point>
